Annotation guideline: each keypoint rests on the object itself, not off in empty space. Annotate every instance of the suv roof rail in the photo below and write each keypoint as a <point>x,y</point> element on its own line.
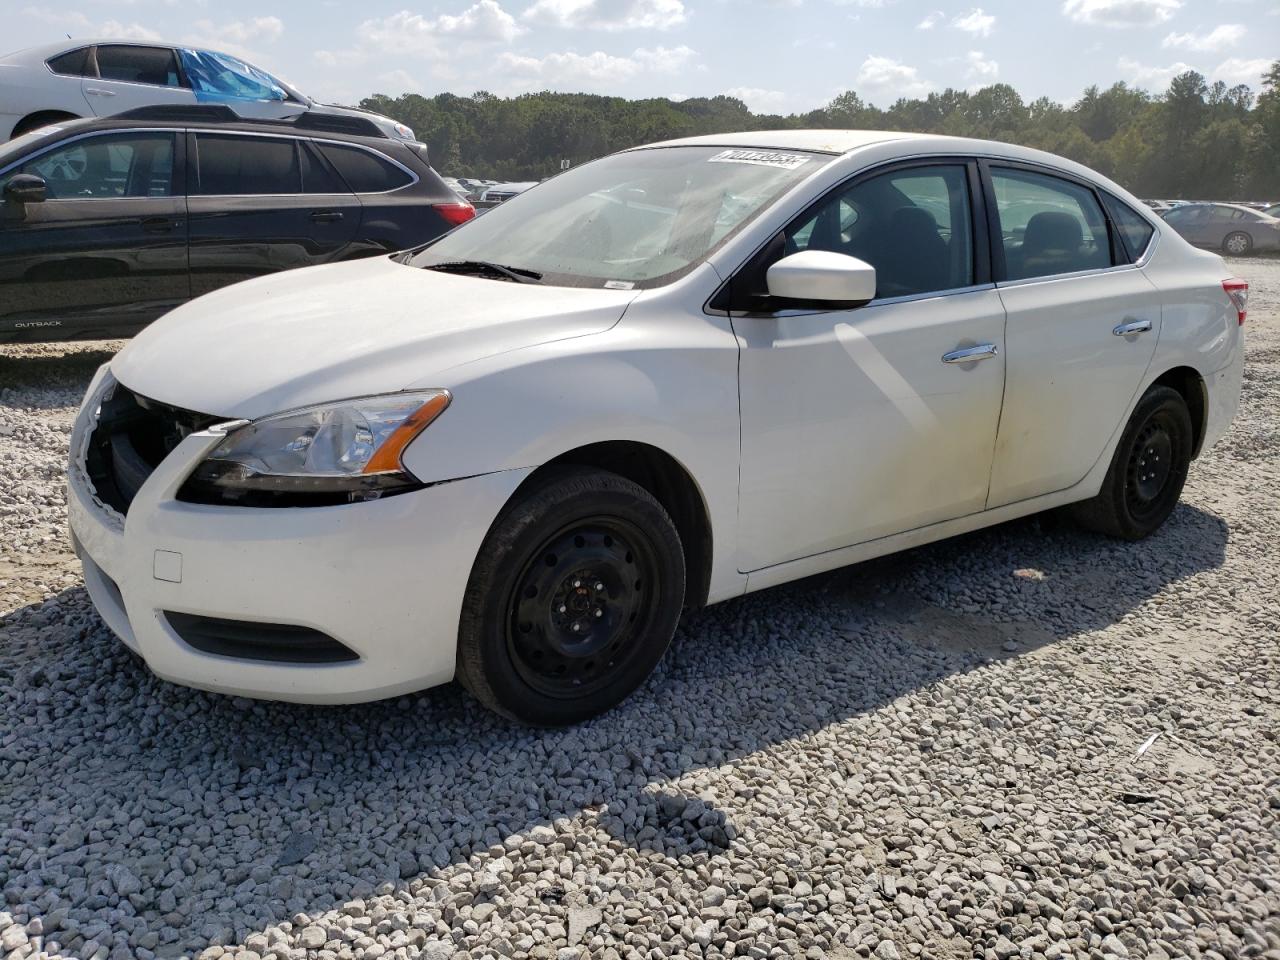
<point>338,123</point>
<point>193,112</point>
<point>224,113</point>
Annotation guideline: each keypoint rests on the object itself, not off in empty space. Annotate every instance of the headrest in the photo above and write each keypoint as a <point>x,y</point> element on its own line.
<point>913,222</point>
<point>1052,230</point>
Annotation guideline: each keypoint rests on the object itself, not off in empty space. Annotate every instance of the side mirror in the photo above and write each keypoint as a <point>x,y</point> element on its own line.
<point>25,188</point>
<point>823,276</point>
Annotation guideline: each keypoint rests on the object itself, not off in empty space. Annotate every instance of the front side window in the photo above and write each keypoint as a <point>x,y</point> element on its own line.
<point>1134,229</point>
<point>912,225</point>
<point>246,166</point>
<point>1048,225</point>
<point>631,220</point>
<point>219,77</point>
<point>152,65</point>
<point>105,167</point>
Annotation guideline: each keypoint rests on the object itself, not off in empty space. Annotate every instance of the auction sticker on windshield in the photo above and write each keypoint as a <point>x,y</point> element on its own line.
<point>763,158</point>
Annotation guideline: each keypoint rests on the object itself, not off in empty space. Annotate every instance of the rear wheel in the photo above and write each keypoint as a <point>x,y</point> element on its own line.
<point>1148,469</point>
<point>573,600</point>
<point>38,120</point>
<point>1237,244</point>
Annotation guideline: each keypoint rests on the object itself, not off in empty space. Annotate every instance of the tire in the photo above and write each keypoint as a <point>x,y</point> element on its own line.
<point>573,599</point>
<point>1147,472</point>
<point>37,120</point>
<point>1237,244</point>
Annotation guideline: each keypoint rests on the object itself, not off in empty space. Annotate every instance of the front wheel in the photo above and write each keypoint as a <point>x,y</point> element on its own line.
<point>1237,244</point>
<point>573,599</point>
<point>1148,469</point>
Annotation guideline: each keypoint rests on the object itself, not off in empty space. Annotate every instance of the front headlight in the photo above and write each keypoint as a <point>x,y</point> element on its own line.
<point>330,453</point>
<point>406,132</point>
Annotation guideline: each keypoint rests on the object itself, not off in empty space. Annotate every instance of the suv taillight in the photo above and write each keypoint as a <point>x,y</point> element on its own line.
<point>455,213</point>
<point>1238,291</point>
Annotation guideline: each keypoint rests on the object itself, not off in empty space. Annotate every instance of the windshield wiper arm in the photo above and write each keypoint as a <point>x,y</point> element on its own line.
<point>518,274</point>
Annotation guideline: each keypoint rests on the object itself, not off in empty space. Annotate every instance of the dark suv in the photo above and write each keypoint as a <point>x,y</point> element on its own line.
<point>106,224</point>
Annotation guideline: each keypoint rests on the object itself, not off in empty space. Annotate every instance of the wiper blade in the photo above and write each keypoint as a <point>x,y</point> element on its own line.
<point>517,274</point>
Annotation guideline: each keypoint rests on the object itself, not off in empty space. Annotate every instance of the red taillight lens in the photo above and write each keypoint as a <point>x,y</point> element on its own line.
<point>1238,291</point>
<point>455,213</point>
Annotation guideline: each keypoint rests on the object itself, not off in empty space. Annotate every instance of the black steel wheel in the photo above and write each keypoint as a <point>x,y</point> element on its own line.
<point>581,607</point>
<point>573,599</point>
<point>1148,470</point>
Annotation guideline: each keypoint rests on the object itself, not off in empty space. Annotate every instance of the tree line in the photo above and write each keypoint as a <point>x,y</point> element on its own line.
<point>1197,140</point>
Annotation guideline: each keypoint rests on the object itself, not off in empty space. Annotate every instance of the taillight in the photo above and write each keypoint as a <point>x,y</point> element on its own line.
<point>455,213</point>
<point>1238,291</point>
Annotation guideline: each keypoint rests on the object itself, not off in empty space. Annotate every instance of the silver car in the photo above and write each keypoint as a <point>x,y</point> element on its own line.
<point>1229,227</point>
<point>86,78</point>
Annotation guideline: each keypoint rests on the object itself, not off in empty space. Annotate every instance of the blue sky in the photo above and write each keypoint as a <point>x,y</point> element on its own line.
<point>777,55</point>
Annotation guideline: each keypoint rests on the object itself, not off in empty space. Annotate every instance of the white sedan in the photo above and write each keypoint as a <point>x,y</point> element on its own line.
<point>663,379</point>
<point>86,78</point>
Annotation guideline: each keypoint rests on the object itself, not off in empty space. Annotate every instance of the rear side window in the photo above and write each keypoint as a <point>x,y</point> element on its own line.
<point>1048,225</point>
<point>1134,229</point>
<point>316,175</point>
<point>364,171</point>
<point>73,64</point>
<point>246,166</point>
<point>152,65</point>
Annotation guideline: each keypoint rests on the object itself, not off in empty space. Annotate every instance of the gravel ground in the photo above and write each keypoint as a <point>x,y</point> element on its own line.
<point>931,755</point>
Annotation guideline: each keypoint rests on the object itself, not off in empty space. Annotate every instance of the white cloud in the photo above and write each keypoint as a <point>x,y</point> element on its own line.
<point>931,20</point>
<point>484,23</point>
<point>608,14</point>
<point>1237,70</point>
<point>80,26</point>
<point>979,69</point>
<point>1152,77</point>
<point>1121,13</point>
<point>398,81</point>
<point>1219,38</point>
<point>759,100</point>
<point>885,77</point>
<point>1231,71</point>
<point>269,29</point>
<point>558,70</point>
<point>976,22</point>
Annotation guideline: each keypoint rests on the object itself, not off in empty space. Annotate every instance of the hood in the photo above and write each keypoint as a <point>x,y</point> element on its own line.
<point>347,330</point>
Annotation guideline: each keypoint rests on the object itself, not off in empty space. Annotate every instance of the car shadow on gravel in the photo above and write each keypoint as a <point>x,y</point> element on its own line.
<point>74,368</point>
<point>189,818</point>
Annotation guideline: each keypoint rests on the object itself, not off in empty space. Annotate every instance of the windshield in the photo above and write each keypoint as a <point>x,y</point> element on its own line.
<point>219,77</point>
<point>19,145</point>
<point>631,220</point>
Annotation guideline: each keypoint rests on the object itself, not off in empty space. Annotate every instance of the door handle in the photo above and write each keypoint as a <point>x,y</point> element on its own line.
<point>99,92</point>
<point>326,216</point>
<point>158,224</point>
<point>983,351</point>
<point>1131,327</point>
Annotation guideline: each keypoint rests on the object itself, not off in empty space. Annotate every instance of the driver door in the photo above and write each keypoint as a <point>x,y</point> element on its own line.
<point>862,423</point>
<point>106,251</point>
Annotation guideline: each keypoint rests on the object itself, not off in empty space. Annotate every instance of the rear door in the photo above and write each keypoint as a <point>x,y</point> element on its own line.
<point>106,252</point>
<point>1081,329</point>
<point>259,204</point>
<point>134,75</point>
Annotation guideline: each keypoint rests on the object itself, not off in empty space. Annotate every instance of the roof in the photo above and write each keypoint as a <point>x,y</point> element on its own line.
<point>44,51</point>
<point>192,120</point>
<point>817,141</point>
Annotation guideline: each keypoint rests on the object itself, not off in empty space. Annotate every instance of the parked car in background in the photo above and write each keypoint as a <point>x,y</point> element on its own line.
<point>106,224</point>
<point>70,79</point>
<point>1272,209</point>
<point>1159,206</point>
<point>501,192</point>
<point>1230,227</point>
<point>662,379</point>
